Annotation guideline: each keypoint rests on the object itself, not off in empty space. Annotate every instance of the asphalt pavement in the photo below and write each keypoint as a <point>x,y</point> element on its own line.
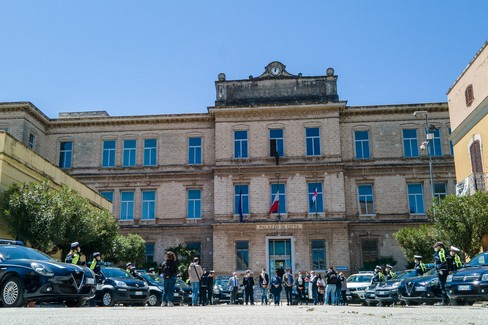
<point>247,315</point>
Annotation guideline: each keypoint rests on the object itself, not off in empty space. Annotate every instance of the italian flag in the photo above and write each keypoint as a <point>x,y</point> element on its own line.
<point>276,203</point>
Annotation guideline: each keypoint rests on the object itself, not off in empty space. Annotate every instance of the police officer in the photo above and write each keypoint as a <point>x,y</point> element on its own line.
<point>442,269</point>
<point>74,255</point>
<point>419,267</point>
<point>96,263</point>
<point>378,275</point>
<point>151,270</point>
<point>130,269</point>
<point>389,274</point>
<point>456,259</point>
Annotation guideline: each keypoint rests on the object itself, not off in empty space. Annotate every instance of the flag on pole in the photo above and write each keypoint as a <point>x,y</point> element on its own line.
<point>314,196</point>
<point>241,216</point>
<point>275,205</point>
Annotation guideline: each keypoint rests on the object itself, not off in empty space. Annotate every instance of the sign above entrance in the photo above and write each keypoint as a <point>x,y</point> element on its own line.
<point>280,226</point>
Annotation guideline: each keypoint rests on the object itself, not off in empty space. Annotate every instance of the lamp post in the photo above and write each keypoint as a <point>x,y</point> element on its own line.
<point>429,136</point>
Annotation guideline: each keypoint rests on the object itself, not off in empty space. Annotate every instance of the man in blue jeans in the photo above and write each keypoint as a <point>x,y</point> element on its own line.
<point>330,289</point>
<point>195,272</point>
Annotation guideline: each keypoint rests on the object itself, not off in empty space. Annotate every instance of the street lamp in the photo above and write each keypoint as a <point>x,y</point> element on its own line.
<point>429,136</point>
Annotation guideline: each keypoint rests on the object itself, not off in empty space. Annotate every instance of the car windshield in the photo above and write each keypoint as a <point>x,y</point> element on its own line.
<point>153,277</point>
<point>13,252</point>
<point>478,260</point>
<point>360,278</point>
<point>180,283</point>
<point>404,274</point>
<point>116,273</point>
<point>223,282</point>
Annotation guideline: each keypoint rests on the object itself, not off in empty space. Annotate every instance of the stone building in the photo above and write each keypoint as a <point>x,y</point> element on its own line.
<point>346,177</point>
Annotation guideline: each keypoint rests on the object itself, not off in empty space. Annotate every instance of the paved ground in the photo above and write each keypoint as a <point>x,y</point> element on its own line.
<point>247,315</point>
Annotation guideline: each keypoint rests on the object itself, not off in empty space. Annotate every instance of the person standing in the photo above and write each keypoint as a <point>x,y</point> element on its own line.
<point>343,291</point>
<point>419,267</point>
<point>74,255</point>
<point>130,269</point>
<point>210,287</point>
<point>288,284</point>
<point>338,288</point>
<point>204,288</point>
<point>233,285</point>
<point>330,290</point>
<point>378,275</point>
<point>276,288</point>
<point>195,272</point>
<point>169,272</point>
<point>313,289</point>
<point>248,283</point>
<point>320,289</point>
<point>263,284</point>
<point>96,263</point>
<point>441,267</point>
<point>300,282</point>
<point>456,259</point>
<point>389,274</point>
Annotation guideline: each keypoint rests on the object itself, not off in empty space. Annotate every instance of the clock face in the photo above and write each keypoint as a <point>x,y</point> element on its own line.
<point>275,71</point>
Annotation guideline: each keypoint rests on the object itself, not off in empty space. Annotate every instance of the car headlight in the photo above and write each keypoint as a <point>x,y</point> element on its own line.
<point>484,277</point>
<point>42,269</point>
<point>449,278</point>
<point>395,285</point>
<point>120,283</point>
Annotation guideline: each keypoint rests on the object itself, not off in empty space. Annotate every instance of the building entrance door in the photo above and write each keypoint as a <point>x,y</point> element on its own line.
<point>280,255</point>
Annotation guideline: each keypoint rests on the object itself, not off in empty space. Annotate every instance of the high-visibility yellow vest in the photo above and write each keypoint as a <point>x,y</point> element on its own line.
<point>457,261</point>
<point>442,255</point>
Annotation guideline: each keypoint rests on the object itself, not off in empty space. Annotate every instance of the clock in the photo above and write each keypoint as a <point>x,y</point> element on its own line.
<point>275,71</point>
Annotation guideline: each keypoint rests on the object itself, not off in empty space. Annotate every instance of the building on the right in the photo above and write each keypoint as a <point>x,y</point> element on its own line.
<point>468,112</point>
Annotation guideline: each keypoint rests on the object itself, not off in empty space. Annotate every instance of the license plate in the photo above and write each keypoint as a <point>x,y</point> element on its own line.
<point>466,287</point>
<point>420,289</point>
<point>138,293</point>
<point>90,281</point>
<point>383,293</point>
<point>176,295</point>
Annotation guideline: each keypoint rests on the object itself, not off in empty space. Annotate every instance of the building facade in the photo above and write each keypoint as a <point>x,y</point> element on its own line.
<point>279,172</point>
<point>468,110</point>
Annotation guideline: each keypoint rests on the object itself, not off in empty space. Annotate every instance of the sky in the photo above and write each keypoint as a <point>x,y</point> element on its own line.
<point>151,57</point>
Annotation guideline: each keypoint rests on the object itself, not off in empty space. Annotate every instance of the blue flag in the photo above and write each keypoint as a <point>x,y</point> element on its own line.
<point>241,217</point>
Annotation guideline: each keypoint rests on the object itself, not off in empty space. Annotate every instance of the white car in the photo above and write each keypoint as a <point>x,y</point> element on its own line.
<point>356,286</point>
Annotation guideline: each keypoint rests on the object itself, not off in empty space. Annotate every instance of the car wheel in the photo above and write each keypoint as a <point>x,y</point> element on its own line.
<point>75,303</point>
<point>457,302</point>
<point>107,299</point>
<point>216,301</point>
<point>153,300</point>
<point>13,293</point>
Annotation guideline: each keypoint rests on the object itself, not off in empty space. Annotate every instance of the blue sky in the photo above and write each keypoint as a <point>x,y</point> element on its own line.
<point>163,57</point>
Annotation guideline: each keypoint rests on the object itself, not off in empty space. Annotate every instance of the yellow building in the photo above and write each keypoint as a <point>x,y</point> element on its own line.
<point>19,164</point>
<point>468,112</point>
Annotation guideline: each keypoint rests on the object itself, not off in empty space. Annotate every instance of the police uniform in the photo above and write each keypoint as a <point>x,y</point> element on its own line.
<point>456,259</point>
<point>378,275</point>
<point>96,263</point>
<point>74,255</point>
<point>441,266</point>
<point>389,273</point>
<point>419,267</point>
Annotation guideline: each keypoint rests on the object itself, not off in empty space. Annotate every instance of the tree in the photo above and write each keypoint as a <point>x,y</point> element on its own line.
<point>417,241</point>
<point>463,221</point>
<point>130,248</point>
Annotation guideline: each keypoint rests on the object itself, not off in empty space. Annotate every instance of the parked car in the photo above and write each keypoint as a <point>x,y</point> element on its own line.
<point>185,291</point>
<point>370,296</point>
<point>156,287</point>
<point>119,287</point>
<point>221,292</point>
<point>356,286</point>
<point>154,280</point>
<point>420,289</point>
<point>386,293</point>
<point>28,275</point>
<point>470,283</point>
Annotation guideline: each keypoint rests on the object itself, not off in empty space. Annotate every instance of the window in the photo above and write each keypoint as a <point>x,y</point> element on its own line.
<point>194,204</point>
<point>369,250</point>
<point>32,141</point>
<point>318,254</point>
<point>410,143</point>
<point>65,154</point>
<point>150,152</point>
<point>435,146</point>
<point>416,198</point>
<point>451,149</point>
<point>240,144</point>
<point>440,191</point>
<point>315,198</point>
<point>475,153</point>
<point>149,253</point>
<point>361,144</point>
<point>312,139</point>
<point>109,195</point>
<point>276,144</point>
<point>194,151</point>
<point>278,190</point>
<point>366,199</point>
<point>127,205</point>
<point>197,247</point>
<point>108,154</point>
<point>469,95</point>
<point>129,153</point>
<point>241,199</point>
<point>242,255</point>
<point>148,205</point>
